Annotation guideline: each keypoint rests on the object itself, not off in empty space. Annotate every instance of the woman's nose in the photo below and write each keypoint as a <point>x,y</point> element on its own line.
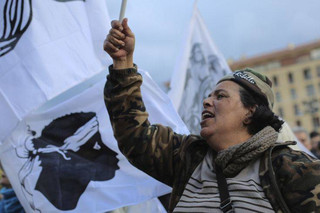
<point>206,102</point>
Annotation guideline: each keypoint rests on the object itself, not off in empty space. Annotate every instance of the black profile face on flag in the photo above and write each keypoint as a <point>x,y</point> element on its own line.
<point>15,20</point>
<point>71,154</point>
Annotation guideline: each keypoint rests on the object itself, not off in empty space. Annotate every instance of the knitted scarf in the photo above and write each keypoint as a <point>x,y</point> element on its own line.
<point>235,158</point>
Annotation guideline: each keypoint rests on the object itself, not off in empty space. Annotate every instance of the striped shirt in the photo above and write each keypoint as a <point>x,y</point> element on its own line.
<point>202,195</point>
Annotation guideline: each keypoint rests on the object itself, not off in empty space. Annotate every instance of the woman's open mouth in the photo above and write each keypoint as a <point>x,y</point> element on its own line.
<point>206,115</point>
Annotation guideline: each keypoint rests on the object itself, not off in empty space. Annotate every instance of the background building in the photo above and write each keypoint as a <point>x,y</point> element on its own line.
<point>295,74</point>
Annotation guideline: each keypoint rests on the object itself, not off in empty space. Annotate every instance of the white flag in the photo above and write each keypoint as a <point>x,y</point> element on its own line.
<point>198,69</point>
<point>47,47</point>
<point>63,157</point>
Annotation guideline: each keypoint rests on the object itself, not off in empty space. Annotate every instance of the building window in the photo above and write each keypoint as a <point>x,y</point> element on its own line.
<point>278,96</point>
<point>296,110</point>
<point>307,74</point>
<point>312,106</point>
<point>310,90</point>
<point>275,81</point>
<point>298,123</point>
<point>293,94</point>
<point>315,54</point>
<point>316,122</point>
<point>280,110</point>
<point>290,78</point>
<point>318,71</point>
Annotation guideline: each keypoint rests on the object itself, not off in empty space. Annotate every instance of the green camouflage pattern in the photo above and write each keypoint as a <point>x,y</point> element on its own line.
<point>297,176</point>
<point>171,158</point>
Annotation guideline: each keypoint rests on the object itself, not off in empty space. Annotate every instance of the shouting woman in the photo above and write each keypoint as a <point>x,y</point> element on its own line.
<point>234,165</point>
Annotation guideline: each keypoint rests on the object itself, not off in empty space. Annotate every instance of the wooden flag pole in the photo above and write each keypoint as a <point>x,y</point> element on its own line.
<point>123,10</point>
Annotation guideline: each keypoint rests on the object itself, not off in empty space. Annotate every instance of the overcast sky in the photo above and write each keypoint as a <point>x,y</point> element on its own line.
<point>238,27</point>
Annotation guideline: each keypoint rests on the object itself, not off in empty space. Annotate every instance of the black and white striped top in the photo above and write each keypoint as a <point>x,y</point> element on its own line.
<point>201,193</point>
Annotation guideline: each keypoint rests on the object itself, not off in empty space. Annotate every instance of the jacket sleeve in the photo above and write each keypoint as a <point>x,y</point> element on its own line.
<point>151,148</point>
<point>298,177</point>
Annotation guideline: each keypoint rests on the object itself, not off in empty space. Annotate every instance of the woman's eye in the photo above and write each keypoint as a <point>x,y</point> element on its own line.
<point>219,96</point>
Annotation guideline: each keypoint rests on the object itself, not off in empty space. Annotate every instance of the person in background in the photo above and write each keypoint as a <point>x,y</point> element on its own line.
<point>9,202</point>
<point>303,136</point>
<point>315,142</point>
<point>234,165</point>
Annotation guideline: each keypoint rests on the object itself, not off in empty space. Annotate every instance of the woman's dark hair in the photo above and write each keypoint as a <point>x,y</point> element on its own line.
<point>263,116</point>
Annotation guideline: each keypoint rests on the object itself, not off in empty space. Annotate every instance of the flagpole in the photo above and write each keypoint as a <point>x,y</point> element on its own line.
<point>123,10</point>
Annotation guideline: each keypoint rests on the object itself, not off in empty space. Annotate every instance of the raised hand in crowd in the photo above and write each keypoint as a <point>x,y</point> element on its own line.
<point>119,44</point>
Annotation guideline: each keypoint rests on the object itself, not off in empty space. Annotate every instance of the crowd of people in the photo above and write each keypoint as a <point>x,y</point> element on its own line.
<point>310,140</point>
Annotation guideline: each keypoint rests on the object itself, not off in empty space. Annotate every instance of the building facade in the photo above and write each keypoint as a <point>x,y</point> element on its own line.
<point>295,74</point>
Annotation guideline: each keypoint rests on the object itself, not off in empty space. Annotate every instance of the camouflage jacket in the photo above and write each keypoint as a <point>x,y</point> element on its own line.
<point>286,175</point>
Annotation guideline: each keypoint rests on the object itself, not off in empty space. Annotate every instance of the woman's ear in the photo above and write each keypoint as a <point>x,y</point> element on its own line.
<point>249,114</point>
<point>252,110</point>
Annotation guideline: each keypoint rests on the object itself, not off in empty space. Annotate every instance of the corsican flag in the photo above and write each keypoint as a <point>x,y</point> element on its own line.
<point>63,156</point>
<point>198,69</point>
<point>46,47</point>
